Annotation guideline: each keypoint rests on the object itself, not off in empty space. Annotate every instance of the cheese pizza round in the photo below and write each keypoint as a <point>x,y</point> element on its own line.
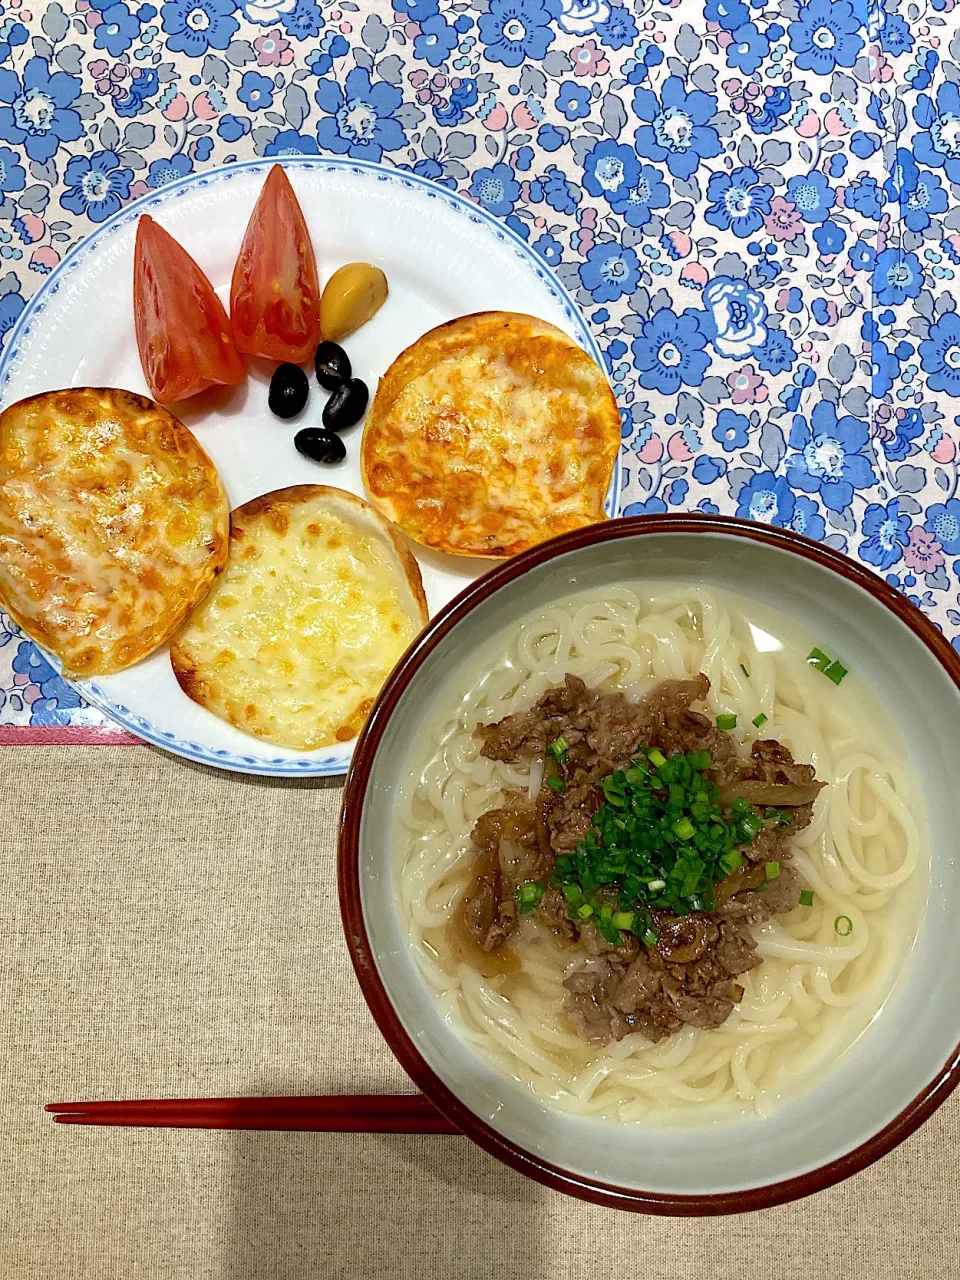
<point>113,525</point>
<point>319,599</point>
<point>490,434</point>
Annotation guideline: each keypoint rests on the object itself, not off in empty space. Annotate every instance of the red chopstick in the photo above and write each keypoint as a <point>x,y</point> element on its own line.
<point>343,1113</point>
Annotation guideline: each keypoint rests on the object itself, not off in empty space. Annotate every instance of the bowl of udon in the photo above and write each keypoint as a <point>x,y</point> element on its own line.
<point>647,864</point>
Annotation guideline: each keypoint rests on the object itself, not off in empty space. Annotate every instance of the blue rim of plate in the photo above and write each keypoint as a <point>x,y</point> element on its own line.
<point>318,765</point>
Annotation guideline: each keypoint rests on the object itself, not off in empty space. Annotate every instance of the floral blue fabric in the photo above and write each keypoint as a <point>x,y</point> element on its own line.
<point>755,202</point>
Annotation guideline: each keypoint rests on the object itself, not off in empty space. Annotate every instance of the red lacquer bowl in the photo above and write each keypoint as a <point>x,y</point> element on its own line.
<point>907,1060</point>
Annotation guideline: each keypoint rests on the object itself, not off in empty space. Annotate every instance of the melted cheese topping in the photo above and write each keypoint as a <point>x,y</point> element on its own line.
<point>491,434</point>
<point>318,601</point>
<point>113,525</point>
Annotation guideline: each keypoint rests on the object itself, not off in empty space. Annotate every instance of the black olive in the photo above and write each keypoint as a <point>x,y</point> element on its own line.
<point>332,365</point>
<point>320,445</point>
<point>289,389</point>
<point>346,405</point>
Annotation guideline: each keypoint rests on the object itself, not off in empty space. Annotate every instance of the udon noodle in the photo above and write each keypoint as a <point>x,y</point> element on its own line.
<point>814,991</point>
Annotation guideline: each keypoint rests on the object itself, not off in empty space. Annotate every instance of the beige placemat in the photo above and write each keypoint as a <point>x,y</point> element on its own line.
<point>167,930</point>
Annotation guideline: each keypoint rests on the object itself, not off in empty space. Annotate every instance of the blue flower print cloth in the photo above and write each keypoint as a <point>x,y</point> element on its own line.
<point>756,203</point>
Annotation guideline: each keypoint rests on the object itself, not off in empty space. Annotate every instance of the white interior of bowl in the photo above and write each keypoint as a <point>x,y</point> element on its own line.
<point>919,1026</point>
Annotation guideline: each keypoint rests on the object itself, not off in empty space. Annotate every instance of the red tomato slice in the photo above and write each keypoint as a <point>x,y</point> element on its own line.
<point>275,293</point>
<point>183,332</point>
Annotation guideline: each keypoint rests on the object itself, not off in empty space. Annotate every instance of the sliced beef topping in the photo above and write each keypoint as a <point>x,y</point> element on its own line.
<point>639,986</point>
<point>510,856</point>
<point>590,1004</point>
<point>676,728</point>
<point>772,777</point>
<point>608,999</point>
<point>489,915</point>
<point>779,895</point>
<point>688,976</point>
<point>570,815</point>
<point>604,731</point>
<point>553,913</point>
<point>597,945</point>
<point>736,950</point>
<point>527,734</point>
<point>710,1009</point>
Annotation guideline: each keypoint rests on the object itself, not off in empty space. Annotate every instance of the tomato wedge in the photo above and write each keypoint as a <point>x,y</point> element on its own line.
<point>275,293</point>
<point>183,332</point>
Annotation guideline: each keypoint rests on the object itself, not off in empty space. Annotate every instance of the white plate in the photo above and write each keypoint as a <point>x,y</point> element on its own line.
<point>443,257</point>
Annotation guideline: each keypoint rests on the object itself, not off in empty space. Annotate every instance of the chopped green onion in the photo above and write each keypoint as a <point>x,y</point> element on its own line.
<point>529,895</point>
<point>558,748</point>
<point>726,722</point>
<point>731,862</point>
<point>760,720</point>
<point>614,790</point>
<point>623,919</point>
<point>691,880</point>
<point>806,897</point>
<point>748,823</point>
<point>744,670</point>
<point>650,938</point>
<point>609,931</point>
<point>817,658</point>
<point>832,668</point>
<point>660,840</point>
<point>783,816</point>
<point>772,870</point>
<point>843,925</point>
<point>557,784</point>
